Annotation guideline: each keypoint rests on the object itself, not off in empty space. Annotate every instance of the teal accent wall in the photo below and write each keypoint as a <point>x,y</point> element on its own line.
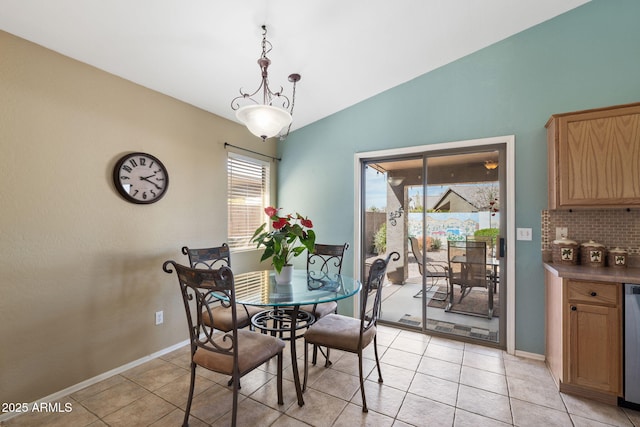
<point>586,58</point>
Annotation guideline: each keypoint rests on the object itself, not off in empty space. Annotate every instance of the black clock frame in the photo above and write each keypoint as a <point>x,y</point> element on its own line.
<point>125,195</point>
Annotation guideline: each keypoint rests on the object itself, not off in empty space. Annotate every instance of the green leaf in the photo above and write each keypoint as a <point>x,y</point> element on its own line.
<point>298,250</point>
<point>259,231</point>
<point>268,253</point>
<point>278,263</point>
<point>296,230</point>
<point>310,241</point>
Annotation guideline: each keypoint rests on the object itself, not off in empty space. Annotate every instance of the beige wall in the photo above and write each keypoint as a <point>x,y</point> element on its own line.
<point>81,274</point>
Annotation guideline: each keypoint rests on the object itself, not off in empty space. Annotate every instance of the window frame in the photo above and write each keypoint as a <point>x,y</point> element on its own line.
<point>240,240</point>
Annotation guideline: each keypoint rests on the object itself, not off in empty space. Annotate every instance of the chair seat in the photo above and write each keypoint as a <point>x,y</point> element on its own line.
<point>321,309</point>
<point>339,332</point>
<point>253,350</point>
<point>223,321</point>
<point>467,281</point>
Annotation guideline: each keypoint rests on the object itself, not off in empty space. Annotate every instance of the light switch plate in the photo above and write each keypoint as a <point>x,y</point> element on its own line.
<point>524,234</point>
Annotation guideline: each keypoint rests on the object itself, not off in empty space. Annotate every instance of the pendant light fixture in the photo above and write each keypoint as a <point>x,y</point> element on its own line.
<point>490,164</point>
<point>266,120</point>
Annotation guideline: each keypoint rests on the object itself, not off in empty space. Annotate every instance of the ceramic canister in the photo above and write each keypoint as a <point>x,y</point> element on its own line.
<point>617,257</point>
<point>565,251</point>
<point>592,254</point>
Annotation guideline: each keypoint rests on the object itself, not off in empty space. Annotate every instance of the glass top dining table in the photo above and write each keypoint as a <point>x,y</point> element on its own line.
<point>282,303</point>
<point>259,288</point>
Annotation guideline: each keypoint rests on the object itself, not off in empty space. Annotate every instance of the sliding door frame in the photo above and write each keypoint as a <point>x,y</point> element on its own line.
<point>509,141</point>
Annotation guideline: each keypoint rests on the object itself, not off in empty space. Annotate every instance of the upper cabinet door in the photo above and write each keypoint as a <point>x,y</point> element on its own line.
<point>594,158</point>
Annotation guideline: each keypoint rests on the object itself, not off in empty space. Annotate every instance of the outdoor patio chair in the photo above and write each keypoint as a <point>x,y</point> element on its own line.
<point>434,271</point>
<point>491,244</point>
<point>468,270</point>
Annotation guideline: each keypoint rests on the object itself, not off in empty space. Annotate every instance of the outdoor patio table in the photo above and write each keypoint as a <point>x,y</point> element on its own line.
<point>282,302</point>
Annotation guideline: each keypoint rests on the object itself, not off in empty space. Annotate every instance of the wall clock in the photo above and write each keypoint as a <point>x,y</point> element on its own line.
<point>140,178</point>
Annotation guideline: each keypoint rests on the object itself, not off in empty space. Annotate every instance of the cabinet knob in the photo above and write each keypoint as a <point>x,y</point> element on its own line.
<point>574,308</point>
<point>593,294</point>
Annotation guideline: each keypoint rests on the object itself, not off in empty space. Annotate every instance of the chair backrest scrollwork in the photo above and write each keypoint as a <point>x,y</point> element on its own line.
<point>200,288</point>
<point>326,258</point>
<point>210,258</point>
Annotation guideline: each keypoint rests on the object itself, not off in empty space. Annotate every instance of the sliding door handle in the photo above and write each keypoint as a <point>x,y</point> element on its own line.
<point>502,248</point>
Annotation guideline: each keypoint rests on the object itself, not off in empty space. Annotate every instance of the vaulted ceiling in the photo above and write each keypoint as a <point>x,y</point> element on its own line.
<point>203,51</point>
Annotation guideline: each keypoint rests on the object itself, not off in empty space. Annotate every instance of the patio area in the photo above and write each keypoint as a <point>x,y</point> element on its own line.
<point>402,305</point>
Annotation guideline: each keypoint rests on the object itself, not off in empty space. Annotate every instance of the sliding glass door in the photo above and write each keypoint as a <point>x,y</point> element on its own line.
<point>430,208</point>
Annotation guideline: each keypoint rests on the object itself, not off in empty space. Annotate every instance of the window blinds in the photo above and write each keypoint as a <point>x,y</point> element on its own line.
<point>248,195</point>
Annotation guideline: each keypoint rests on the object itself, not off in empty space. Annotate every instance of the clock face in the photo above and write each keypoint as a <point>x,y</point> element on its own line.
<point>140,178</point>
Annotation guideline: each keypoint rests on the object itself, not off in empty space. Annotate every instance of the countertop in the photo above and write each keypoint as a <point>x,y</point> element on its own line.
<point>599,274</point>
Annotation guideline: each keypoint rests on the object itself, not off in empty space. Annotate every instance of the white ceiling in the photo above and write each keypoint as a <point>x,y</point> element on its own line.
<point>203,51</point>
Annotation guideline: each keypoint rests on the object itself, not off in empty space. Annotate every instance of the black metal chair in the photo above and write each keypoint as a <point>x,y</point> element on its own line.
<point>213,258</point>
<point>235,352</point>
<point>327,259</point>
<point>350,334</point>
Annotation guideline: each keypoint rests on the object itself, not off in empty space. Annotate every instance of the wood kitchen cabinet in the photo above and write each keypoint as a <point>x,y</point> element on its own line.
<point>584,336</point>
<point>594,158</point>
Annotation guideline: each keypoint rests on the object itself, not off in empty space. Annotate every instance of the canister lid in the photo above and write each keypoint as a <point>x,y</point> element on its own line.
<point>565,241</point>
<point>618,250</point>
<point>592,244</point>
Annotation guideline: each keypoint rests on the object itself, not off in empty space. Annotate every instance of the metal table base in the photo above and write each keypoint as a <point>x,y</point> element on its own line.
<point>279,321</point>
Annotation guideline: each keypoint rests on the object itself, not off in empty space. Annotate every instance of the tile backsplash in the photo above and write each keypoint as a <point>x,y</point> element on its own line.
<point>611,227</point>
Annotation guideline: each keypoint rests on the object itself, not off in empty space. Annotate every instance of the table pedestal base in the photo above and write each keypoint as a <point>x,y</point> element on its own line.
<point>281,320</point>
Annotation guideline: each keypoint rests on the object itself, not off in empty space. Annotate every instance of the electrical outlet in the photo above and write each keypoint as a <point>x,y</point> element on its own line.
<point>561,232</point>
<point>524,234</point>
<point>159,317</point>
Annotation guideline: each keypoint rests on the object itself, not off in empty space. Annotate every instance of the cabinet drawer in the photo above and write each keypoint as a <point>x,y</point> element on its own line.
<point>593,292</point>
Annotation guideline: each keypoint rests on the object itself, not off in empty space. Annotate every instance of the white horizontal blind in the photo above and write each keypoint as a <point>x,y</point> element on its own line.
<point>248,195</point>
<point>246,283</point>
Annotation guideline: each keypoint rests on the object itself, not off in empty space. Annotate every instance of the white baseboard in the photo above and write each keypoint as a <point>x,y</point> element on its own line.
<point>69,390</point>
<point>534,356</point>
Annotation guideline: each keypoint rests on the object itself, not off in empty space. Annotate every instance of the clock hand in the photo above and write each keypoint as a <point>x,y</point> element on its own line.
<point>147,177</point>
<point>143,178</point>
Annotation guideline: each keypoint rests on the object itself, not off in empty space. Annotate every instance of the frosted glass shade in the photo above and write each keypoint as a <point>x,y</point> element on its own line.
<point>264,121</point>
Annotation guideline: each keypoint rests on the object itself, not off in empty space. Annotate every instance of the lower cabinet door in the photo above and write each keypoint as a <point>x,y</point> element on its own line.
<point>594,347</point>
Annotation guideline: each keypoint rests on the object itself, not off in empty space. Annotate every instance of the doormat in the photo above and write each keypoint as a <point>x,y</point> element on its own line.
<point>451,328</point>
<point>462,330</point>
<point>477,302</point>
<point>410,320</point>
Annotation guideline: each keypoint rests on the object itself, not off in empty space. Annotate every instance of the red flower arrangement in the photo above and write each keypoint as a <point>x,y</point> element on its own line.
<point>289,238</point>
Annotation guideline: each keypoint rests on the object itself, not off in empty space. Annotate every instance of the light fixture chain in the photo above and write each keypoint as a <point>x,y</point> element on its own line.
<point>293,104</point>
<point>265,43</point>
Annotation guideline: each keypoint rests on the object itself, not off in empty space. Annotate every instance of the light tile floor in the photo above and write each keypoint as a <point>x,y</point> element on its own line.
<point>428,381</point>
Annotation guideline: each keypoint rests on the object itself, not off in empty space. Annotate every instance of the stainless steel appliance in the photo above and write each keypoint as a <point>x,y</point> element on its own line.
<point>632,344</point>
